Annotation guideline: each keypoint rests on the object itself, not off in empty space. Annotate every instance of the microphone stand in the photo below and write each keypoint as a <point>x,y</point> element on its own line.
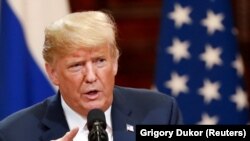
<point>97,133</point>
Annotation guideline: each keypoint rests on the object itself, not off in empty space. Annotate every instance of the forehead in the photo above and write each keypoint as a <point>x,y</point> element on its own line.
<point>82,53</point>
<point>90,51</point>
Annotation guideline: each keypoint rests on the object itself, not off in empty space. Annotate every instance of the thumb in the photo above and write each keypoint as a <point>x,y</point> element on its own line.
<point>71,134</point>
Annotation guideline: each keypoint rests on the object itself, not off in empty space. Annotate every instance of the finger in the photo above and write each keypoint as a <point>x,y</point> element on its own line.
<point>71,134</point>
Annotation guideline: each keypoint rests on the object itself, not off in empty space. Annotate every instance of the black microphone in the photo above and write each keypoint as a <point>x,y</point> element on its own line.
<point>96,123</point>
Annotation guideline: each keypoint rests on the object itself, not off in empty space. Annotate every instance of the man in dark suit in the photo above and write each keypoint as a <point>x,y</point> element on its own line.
<point>82,60</point>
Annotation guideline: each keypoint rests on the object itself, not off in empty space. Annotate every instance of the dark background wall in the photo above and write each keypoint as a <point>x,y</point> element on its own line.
<point>138,27</point>
<point>138,24</point>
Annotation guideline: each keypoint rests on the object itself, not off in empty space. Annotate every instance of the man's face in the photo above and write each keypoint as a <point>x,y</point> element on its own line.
<point>85,78</point>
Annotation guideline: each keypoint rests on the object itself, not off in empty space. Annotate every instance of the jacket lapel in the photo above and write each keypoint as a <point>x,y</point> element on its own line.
<point>54,120</point>
<point>123,126</point>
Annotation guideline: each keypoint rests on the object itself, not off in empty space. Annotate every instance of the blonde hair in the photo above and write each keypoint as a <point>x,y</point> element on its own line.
<point>81,29</point>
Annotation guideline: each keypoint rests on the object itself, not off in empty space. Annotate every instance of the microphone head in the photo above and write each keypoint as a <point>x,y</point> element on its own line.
<point>96,116</point>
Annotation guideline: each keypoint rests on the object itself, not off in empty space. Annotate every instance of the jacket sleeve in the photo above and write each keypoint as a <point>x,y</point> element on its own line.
<point>176,115</point>
<point>2,137</point>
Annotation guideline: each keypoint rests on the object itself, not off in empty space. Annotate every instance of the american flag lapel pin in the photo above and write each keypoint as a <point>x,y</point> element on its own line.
<point>130,127</point>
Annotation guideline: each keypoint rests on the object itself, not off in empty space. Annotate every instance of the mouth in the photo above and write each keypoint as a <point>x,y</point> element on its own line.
<point>92,94</point>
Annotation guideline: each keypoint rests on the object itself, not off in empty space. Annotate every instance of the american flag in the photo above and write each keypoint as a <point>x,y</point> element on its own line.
<point>198,62</point>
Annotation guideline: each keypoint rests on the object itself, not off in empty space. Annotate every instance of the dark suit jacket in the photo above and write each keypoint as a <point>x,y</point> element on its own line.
<point>46,121</point>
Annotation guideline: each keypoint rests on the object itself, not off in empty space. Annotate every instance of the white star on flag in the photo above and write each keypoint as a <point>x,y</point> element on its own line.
<point>179,50</point>
<point>213,22</point>
<point>207,120</point>
<point>211,56</point>
<point>180,15</point>
<point>240,99</point>
<point>210,91</point>
<point>177,84</point>
<point>238,65</point>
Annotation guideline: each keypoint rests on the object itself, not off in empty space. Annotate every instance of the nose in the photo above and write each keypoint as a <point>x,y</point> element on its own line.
<point>90,76</point>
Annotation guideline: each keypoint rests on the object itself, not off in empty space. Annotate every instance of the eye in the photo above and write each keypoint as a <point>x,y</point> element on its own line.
<point>75,67</point>
<point>100,62</point>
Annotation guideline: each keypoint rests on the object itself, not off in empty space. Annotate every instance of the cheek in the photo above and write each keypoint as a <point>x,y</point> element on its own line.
<point>108,78</point>
<point>70,80</point>
<point>69,87</point>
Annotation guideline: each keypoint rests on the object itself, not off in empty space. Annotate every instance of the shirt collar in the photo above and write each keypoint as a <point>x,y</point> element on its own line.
<point>76,120</point>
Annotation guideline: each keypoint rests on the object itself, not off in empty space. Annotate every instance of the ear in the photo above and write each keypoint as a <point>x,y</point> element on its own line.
<point>115,67</point>
<point>52,73</point>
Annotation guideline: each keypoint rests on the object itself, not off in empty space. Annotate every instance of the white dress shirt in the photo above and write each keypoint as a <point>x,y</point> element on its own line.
<point>76,120</point>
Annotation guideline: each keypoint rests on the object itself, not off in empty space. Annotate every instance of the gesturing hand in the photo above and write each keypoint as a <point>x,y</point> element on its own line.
<point>68,136</point>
